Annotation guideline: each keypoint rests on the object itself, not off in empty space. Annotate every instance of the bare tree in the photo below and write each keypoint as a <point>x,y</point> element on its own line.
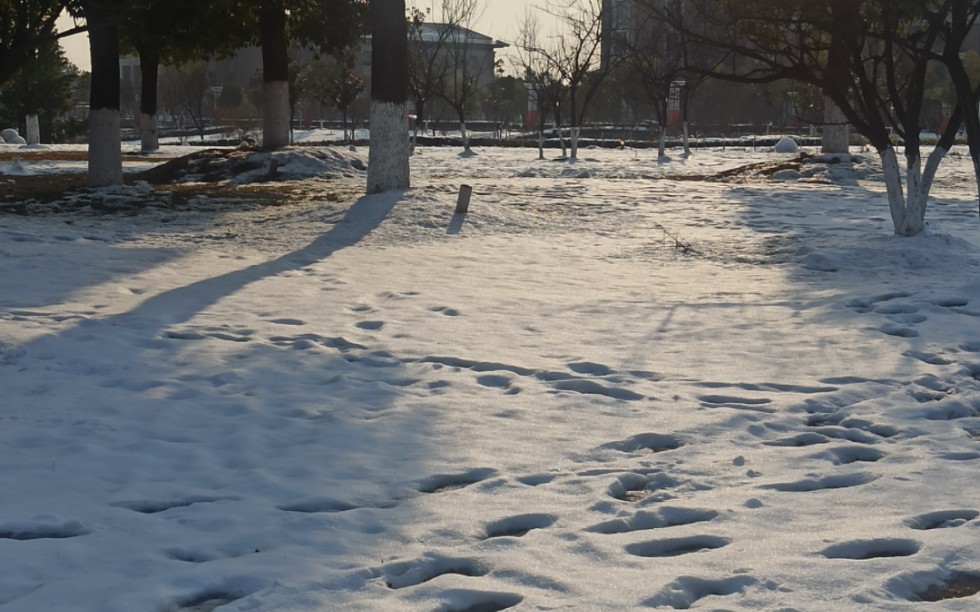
<point>963,16</point>
<point>427,65</point>
<point>871,58</point>
<point>655,57</point>
<point>574,57</point>
<point>545,89</point>
<point>332,82</point>
<point>192,94</point>
<point>461,79</point>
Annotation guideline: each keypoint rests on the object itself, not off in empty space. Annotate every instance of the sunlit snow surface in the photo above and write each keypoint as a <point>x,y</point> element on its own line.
<point>614,384</point>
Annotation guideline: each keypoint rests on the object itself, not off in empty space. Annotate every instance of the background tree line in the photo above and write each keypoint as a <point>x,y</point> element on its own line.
<point>892,68</point>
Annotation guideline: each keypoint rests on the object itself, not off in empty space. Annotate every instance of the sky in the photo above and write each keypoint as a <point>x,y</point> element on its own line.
<point>621,382</point>
<point>501,19</point>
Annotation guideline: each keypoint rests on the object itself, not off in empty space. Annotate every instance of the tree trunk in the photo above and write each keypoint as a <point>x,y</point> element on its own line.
<point>415,129</point>
<point>834,137</point>
<point>389,152</point>
<point>33,134</point>
<point>104,148</point>
<point>149,67</point>
<point>662,142</point>
<point>540,135</point>
<point>573,138</point>
<point>276,109</point>
<point>908,210</point>
<point>464,136</point>
<point>687,140</point>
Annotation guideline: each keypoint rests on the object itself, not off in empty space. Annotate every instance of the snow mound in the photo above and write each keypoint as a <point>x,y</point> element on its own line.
<point>10,136</point>
<point>786,145</point>
<point>240,167</point>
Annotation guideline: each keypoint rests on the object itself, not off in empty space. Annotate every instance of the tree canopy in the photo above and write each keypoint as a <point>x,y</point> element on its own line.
<point>24,26</point>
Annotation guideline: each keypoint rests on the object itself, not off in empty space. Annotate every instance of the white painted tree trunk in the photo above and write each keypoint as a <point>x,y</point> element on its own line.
<point>104,148</point>
<point>149,138</point>
<point>541,147</point>
<point>662,142</point>
<point>388,155</point>
<point>908,210</point>
<point>275,124</point>
<point>687,140</point>
<point>574,132</point>
<point>835,137</point>
<point>464,135</point>
<point>33,130</point>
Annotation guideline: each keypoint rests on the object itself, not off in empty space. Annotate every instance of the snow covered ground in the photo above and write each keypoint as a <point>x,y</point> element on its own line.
<point>614,384</point>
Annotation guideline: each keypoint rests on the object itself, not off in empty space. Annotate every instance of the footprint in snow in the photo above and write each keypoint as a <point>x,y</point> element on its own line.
<point>370,325</point>
<point>800,440</point>
<point>465,600</point>
<point>957,585</point>
<point>42,528</point>
<point>518,526</point>
<point>949,301</point>
<point>941,519</point>
<point>756,404</point>
<point>846,455</point>
<point>868,304</point>
<point>901,331</point>
<point>151,506</point>
<point>440,483</point>
<point>687,590</point>
<point>644,443</point>
<point>642,487</point>
<point>317,505</point>
<point>288,321</point>
<point>896,308</point>
<point>841,481</point>
<point>928,358</point>
<point>206,602</point>
<point>951,410</point>
<point>675,547</point>
<point>851,434</point>
<point>589,368</point>
<point>405,574</point>
<point>654,519</point>
<point>878,548</point>
<point>971,346</point>
<point>445,311</point>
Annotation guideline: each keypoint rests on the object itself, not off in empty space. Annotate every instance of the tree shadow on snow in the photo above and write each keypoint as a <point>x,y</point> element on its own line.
<point>134,416</point>
<point>182,303</point>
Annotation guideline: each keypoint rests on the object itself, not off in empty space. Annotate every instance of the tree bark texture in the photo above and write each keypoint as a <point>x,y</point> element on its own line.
<point>908,206</point>
<point>835,138</point>
<point>389,153</point>
<point>275,75</point>
<point>104,148</point>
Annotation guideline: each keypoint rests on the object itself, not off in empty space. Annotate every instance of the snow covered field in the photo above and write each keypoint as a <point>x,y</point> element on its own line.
<point>614,384</point>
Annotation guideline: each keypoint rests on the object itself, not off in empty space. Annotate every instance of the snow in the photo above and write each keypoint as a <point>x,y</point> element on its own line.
<point>616,383</point>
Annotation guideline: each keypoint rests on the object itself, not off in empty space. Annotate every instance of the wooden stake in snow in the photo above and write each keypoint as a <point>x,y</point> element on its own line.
<point>463,200</point>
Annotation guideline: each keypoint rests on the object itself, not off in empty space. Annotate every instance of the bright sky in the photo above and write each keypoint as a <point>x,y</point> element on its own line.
<point>501,19</point>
